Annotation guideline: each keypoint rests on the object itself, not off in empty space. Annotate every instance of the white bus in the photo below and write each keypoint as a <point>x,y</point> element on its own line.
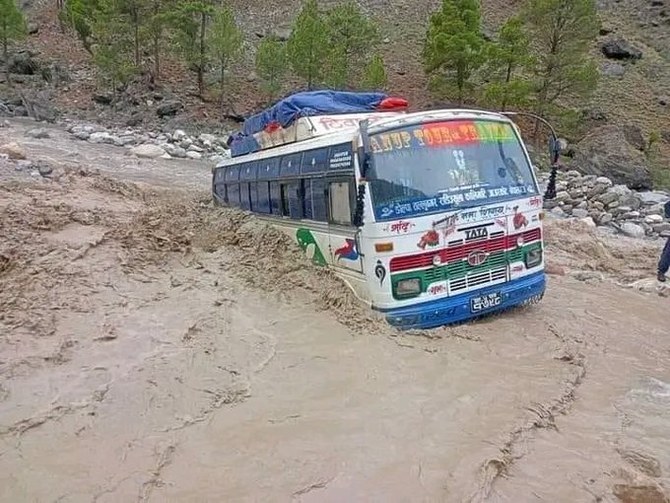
<point>431,217</point>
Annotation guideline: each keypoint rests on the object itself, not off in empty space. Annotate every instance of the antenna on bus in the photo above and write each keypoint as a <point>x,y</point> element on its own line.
<point>554,150</point>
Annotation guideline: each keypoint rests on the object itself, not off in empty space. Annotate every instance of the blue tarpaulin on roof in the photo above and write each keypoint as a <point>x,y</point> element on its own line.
<point>308,103</point>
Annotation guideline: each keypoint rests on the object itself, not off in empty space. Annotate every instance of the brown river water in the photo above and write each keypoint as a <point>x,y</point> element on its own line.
<point>154,348</point>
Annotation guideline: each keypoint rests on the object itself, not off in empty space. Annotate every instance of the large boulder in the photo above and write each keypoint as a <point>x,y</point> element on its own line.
<point>23,63</point>
<point>619,48</point>
<point>169,108</point>
<point>605,151</point>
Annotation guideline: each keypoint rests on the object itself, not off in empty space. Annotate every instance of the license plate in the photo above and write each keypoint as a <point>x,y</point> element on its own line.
<point>484,302</point>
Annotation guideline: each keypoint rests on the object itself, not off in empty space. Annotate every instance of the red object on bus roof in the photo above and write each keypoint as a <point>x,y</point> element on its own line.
<point>393,103</point>
<point>272,127</point>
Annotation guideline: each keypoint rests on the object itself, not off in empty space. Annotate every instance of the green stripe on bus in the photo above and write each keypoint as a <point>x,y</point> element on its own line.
<point>457,270</point>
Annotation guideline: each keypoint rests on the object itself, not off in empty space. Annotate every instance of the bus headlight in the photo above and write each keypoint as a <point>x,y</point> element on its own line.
<point>408,287</point>
<point>533,257</point>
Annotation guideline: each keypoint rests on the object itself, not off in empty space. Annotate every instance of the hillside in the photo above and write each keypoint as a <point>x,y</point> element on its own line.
<point>630,93</point>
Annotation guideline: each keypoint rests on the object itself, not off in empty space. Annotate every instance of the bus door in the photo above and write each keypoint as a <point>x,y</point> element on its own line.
<point>343,240</point>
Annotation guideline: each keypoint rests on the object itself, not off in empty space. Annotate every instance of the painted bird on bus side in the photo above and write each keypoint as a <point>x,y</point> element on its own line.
<point>348,251</point>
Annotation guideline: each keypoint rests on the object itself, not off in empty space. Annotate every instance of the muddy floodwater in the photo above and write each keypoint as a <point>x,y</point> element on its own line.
<point>155,348</point>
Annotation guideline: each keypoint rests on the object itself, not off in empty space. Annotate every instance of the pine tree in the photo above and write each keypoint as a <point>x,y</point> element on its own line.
<point>12,27</point>
<point>271,65</point>
<point>113,44</point>
<point>155,30</point>
<point>225,42</point>
<point>453,46</point>
<point>307,46</point>
<point>79,14</point>
<point>190,22</point>
<point>135,13</point>
<point>561,31</point>
<point>374,78</point>
<point>351,37</point>
<point>506,59</point>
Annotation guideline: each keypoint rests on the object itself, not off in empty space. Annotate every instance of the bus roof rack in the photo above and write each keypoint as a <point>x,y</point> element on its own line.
<point>290,119</point>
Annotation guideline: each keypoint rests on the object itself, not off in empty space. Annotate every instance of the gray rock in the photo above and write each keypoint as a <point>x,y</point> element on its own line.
<point>179,135</point>
<point>122,141</point>
<point>174,150</point>
<point>605,219</point>
<point>606,152</point>
<point>621,49</point>
<point>169,108</point>
<point>102,137</point>
<point>147,150</point>
<point>607,198</point>
<point>44,169</point>
<point>558,212</point>
<point>632,201</point>
<point>611,69</point>
<point>580,213</point>
<point>632,230</point>
<point>661,228</point>
<point>191,154</point>
<point>82,135</point>
<point>562,197</point>
<point>649,198</point>
<point>38,133</point>
<point>653,219</point>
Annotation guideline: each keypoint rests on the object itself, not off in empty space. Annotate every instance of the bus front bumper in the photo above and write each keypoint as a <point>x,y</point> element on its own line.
<point>449,310</point>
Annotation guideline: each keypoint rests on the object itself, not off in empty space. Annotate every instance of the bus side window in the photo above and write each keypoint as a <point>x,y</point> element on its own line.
<point>292,199</point>
<point>263,197</point>
<point>275,199</point>
<point>319,200</point>
<point>340,203</point>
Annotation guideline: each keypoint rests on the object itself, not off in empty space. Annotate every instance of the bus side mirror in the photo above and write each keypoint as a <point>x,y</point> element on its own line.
<point>554,149</point>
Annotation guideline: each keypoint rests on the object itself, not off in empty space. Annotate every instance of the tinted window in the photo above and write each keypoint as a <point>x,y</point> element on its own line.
<point>220,190</point>
<point>263,197</point>
<point>253,196</point>
<point>268,168</point>
<point>315,161</point>
<point>233,173</point>
<point>319,202</point>
<point>248,171</point>
<point>234,194</point>
<point>340,202</point>
<point>341,158</point>
<point>315,200</point>
<point>294,199</point>
<point>290,165</point>
<point>244,196</point>
<point>275,198</point>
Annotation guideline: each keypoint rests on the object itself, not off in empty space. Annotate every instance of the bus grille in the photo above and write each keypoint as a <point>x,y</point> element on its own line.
<point>478,279</point>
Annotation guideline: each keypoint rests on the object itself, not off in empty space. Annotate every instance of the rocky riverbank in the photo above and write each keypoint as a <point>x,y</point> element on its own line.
<point>165,145</point>
<point>597,201</point>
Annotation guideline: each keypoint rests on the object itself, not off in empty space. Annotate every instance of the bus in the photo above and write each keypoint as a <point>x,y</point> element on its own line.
<point>431,217</point>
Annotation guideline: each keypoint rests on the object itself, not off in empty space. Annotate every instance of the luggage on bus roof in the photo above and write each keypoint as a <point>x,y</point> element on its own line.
<point>310,103</point>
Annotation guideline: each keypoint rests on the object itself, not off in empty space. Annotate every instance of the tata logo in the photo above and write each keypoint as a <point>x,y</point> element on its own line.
<point>479,232</point>
<point>477,257</point>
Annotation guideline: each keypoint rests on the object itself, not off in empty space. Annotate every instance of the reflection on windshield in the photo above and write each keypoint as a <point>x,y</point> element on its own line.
<point>440,166</point>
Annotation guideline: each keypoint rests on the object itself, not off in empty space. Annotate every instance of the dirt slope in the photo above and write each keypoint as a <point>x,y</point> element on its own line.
<point>153,348</point>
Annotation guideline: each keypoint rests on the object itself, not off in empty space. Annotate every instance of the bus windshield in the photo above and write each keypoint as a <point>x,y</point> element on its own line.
<point>441,166</point>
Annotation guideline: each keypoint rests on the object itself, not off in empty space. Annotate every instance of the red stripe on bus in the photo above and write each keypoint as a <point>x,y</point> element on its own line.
<point>459,252</point>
